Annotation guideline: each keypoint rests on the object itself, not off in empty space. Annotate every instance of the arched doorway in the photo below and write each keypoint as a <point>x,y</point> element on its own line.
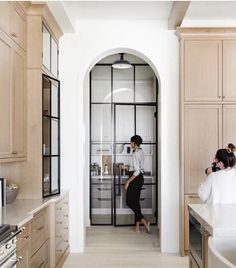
<point>122,103</point>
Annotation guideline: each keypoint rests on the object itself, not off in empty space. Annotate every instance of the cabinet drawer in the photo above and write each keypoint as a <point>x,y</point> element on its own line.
<point>101,202</point>
<point>60,235</point>
<point>101,180</point>
<point>24,237</point>
<point>18,27</point>
<point>62,226</point>
<point>41,257</point>
<point>101,191</point>
<point>62,205</point>
<point>39,229</point>
<point>61,248</point>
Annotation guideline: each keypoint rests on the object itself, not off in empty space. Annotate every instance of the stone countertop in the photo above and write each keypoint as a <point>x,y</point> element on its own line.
<point>22,210</point>
<point>218,220</point>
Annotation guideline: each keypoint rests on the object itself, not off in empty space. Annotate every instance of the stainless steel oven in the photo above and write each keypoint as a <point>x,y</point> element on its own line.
<point>198,237</point>
<point>8,258</point>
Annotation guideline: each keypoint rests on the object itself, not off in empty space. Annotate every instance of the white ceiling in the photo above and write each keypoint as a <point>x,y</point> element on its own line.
<point>199,13</point>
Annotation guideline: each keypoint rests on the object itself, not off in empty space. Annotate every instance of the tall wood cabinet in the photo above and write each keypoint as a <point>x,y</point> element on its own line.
<point>12,82</point>
<point>208,107</point>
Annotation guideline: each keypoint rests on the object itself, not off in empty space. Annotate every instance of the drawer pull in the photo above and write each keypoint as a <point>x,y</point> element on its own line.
<point>59,222</point>
<point>66,228</point>
<point>104,199</point>
<point>59,250</point>
<point>66,203</point>
<point>59,236</point>
<point>66,215</point>
<point>14,152</point>
<point>41,264</point>
<point>19,258</point>
<point>25,237</point>
<point>66,241</point>
<point>59,208</point>
<point>40,228</point>
<point>13,34</point>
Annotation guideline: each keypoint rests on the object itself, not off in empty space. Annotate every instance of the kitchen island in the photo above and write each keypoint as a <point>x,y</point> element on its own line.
<point>208,220</point>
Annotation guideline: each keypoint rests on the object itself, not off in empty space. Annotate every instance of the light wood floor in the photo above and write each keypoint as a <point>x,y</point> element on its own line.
<point>112,247</point>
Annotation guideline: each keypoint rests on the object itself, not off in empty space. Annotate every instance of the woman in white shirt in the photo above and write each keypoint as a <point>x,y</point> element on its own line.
<point>133,185</point>
<point>219,187</point>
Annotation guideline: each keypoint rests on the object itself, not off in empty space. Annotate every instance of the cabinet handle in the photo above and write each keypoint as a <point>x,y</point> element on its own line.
<point>59,222</point>
<point>59,208</point>
<point>66,228</point>
<point>223,97</point>
<point>59,236</point>
<point>219,96</point>
<point>19,258</point>
<point>66,215</point>
<point>25,237</point>
<point>59,250</point>
<point>14,34</point>
<point>41,264</point>
<point>66,241</point>
<point>14,152</point>
<point>40,228</point>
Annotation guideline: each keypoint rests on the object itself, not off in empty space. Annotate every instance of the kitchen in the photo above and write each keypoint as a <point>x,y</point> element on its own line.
<point>147,38</point>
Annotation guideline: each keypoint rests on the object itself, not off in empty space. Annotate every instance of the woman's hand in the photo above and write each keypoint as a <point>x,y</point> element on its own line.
<point>127,185</point>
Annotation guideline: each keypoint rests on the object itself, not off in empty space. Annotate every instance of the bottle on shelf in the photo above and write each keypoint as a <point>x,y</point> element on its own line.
<point>105,172</point>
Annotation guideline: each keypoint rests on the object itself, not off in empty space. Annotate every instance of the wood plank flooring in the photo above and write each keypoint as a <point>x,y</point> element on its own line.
<point>113,247</point>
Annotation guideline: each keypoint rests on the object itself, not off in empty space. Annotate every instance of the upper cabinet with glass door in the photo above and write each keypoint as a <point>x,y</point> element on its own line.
<point>50,52</point>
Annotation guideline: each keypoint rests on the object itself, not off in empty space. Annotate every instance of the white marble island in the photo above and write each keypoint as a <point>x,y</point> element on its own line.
<point>218,220</point>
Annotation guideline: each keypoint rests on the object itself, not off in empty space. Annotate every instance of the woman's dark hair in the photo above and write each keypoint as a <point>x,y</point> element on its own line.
<point>136,139</point>
<point>227,156</point>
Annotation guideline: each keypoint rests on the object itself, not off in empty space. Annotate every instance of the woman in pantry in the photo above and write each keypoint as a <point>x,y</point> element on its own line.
<point>220,184</point>
<point>135,182</point>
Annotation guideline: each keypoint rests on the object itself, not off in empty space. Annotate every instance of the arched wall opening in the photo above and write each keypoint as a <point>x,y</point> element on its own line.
<point>86,102</point>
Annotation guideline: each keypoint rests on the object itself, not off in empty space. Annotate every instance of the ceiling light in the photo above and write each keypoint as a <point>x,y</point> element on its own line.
<point>121,63</point>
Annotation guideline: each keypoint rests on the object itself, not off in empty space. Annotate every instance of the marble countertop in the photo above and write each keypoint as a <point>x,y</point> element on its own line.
<point>22,210</point>
<point>218,220</point>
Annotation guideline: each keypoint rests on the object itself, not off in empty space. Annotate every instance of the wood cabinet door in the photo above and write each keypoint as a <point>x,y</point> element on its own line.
<point>202,138</point>
<point>5,96</point>
<point>18,27</point>
<point>188,199</point>
<point>24,257</point>
<point>19,105</point>
<point>229,124</point>
<point>229,70</point>
<point>5,11</point>
<point>202,70</point>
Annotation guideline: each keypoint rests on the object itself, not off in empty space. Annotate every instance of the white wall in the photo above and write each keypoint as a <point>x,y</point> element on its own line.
<point>94,40</point>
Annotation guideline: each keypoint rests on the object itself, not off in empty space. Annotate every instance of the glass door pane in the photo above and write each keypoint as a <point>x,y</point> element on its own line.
<point>54,175</point>
<point>46,96</point>
<point>46,48</point>
<point>124,123</point>
<point>101,84</point>
<point>54,57</point>
<point>123,85</point>
<point>146,123</point>
<point>46,175</point>
<point>54,136</point>
<point>54,99</point>
<point>145,84</point>
<point>101,126</point>
<point>46,136</point>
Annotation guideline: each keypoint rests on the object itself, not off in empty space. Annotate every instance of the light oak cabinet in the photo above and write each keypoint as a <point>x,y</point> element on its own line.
<point>23,247</point>
<point>60,243</point>
<point>41,258</point>
<point>229,70</point>
<point>208,105</point>
<point>202,70</point>
<point>202,136</point>
<point>188,199</point>
<point>12,100</point>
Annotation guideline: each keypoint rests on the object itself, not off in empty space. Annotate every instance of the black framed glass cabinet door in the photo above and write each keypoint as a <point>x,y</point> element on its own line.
<point>122,103</point>
<point>51,135</point>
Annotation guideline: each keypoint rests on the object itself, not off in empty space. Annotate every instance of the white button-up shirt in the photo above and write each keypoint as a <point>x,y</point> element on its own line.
<point>137,162</point>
